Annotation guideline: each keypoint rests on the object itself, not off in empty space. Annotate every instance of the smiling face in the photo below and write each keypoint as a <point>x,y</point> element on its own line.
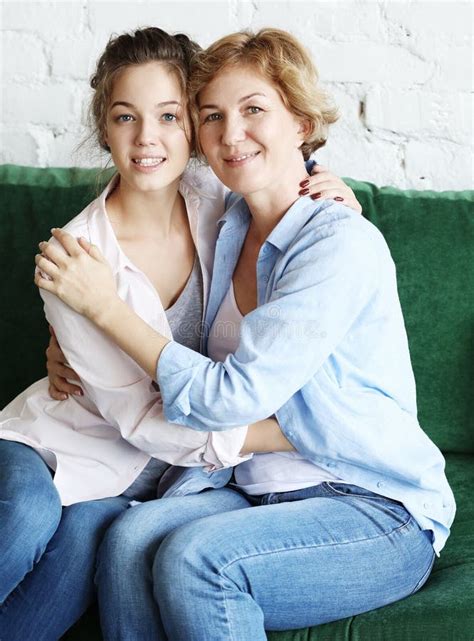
<point>146,127</point>
<point>246,132</point>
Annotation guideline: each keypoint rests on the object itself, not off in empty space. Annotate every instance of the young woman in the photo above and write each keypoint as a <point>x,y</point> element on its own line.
<point>68,469</point>
<point>307,294</point>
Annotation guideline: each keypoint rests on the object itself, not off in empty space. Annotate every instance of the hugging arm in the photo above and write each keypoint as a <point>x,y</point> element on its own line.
<point>118,393</point>
<point>248,386</point>
<point>174,443</point>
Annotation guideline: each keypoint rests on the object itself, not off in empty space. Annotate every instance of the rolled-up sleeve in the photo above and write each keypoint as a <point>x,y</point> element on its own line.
<point>321,290</point>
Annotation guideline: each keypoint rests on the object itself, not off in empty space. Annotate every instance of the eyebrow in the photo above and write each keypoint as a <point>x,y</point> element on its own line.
<point>121,103</point>
<point>241,100</point>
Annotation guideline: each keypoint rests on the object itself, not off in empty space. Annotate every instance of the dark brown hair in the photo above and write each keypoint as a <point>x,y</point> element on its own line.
<point>144,45</point>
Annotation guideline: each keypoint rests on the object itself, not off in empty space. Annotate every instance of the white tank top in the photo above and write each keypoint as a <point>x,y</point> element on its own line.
<point>264,473</point>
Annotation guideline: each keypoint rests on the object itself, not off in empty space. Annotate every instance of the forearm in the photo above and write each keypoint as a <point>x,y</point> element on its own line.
<point>132,334</point>
<point>266,436</point>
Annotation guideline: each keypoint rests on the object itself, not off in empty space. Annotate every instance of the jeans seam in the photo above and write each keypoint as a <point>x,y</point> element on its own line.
<point>319,545</point>
<point>425,575</point>
<point>229,624</point>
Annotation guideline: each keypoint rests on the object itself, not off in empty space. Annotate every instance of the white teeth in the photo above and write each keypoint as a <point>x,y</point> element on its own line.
<point>243,157</point>
<point>148,162</point>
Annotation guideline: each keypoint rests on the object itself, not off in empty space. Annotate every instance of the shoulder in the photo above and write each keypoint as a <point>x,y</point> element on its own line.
<point>344,229</point>
<point>80,225</point>
<point>92,215</point>
<point>336,244</point>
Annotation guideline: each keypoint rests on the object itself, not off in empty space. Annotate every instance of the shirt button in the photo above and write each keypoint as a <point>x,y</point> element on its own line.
<point>426,505</point>
<point>290,433</point>
<point>380,484</point>
<point>331,464</point>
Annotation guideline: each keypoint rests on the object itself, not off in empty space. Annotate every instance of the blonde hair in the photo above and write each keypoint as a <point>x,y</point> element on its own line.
<point>279,57</point>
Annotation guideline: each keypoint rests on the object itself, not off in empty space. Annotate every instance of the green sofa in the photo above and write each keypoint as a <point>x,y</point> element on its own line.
<point>431,236</point>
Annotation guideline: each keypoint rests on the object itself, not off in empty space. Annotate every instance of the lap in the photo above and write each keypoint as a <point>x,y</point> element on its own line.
<point>308,561</point>
<point>148,523</point>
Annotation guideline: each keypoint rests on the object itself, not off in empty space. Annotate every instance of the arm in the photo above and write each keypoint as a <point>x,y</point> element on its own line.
<point>264,436</point>
<point>206,395</point>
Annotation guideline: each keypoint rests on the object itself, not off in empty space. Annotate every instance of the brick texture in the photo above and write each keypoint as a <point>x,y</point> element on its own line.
<point>400,72</point>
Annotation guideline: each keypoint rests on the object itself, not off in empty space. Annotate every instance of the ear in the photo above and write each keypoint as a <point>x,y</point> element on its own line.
<point>303,129</point>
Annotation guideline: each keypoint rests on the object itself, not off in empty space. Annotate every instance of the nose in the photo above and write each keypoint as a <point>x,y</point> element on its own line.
<point>233,130</point>
<point>146,133</point>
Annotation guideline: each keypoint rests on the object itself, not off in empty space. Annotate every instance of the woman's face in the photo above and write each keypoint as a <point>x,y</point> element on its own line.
<point>148,127</point>
<point>247,134</point>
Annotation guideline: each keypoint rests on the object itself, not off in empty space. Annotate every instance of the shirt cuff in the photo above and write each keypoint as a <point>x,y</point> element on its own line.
<point>174,376</point>
<point>223,448</point>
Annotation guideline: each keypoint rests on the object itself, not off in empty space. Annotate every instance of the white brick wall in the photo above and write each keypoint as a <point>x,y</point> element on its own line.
<point>400,72</point>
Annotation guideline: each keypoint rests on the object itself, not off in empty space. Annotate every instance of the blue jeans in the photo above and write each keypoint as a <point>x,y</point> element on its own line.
<point>128,609</point>
<point>48,552</point>
<point>206,567</point>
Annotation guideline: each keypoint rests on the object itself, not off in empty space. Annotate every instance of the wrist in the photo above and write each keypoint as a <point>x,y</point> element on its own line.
<point>109,310</point>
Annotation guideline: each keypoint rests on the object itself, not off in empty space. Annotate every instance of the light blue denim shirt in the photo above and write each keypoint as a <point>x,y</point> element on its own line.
<point>326,351</point>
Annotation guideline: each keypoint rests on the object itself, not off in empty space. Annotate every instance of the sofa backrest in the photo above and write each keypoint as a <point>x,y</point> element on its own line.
<point>431,237</point>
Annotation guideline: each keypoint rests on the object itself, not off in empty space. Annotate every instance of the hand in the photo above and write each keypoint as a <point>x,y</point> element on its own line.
<point>323,184</point>
<point>79,275</point>
<point>59,373</point>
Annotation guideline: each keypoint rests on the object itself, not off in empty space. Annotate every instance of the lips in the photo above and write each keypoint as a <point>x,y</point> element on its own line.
<point>240,158</point>
<point>149,161</point>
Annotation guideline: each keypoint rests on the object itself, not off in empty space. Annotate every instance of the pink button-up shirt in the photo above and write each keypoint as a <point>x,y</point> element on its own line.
<point>99,443</point>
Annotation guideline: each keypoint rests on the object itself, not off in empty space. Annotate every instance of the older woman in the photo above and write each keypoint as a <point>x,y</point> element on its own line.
<point>303,322</point>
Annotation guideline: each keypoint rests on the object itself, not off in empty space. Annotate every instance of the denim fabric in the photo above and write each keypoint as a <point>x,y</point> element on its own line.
<point>48,552</point>
<point>203,567</point>
<point>288,564</point>
<point>128,611</point>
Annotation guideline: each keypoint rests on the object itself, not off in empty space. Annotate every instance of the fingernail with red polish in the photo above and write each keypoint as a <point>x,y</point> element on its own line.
<point>316,196</point>
<point>339,199</point>
<point>304,192</point>
<point>304,183</point>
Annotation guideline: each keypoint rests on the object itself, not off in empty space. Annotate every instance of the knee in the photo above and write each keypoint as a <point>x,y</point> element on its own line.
<point>30,512</point>
<point>186,553</point>
<point>126,545</point>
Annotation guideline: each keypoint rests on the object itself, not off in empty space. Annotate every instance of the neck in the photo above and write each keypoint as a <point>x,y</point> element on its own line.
<point>269,205</point>
<point>138,213</point>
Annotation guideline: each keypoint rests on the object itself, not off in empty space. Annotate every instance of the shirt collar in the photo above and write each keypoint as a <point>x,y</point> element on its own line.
<point>287,229</point>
